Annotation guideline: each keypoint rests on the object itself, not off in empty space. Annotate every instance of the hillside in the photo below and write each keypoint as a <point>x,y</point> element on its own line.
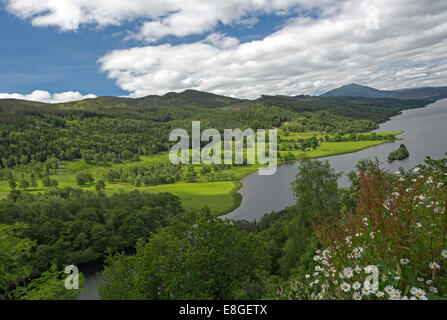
<point>190,98</point>
<point>377,110</point>
<point>355,90</point>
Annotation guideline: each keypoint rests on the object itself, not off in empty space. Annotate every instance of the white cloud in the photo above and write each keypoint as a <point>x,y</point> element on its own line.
<point>45,96</point>
<point>387,44</point>
<point>382,43</point>
<point>160,17</point>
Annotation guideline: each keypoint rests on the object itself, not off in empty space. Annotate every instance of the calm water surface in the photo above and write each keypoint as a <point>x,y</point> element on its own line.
<point>425,135</point>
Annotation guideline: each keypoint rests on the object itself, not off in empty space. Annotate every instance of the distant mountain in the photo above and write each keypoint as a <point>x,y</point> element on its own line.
<point>355,90</point>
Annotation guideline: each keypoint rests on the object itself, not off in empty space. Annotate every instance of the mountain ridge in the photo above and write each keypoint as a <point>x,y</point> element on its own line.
<point>356,90</point>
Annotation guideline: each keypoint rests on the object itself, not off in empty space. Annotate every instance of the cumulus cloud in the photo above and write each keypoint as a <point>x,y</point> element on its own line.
<point>45,96</point>
<point>386,44</point>
<point>382,43</point>
<point>160,18</point>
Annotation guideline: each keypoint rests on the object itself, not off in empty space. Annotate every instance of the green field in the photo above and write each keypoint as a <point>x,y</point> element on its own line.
<point>220,196</point>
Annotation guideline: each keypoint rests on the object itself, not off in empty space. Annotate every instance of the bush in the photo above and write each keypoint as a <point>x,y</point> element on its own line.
<point>398,228</point>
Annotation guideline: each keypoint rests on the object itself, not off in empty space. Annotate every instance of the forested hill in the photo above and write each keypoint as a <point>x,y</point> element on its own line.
<point>119,129</point>
<point>355,90</point>
<point>190,98</point>
<point>377,110</point>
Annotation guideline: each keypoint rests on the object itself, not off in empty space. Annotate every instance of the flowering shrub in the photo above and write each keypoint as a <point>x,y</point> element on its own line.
<point>393,246</point>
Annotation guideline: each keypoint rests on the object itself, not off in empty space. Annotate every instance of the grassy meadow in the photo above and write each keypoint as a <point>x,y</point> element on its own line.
<point>220,196</point>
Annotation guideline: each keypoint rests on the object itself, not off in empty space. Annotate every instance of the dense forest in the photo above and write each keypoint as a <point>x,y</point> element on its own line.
<point>176,253</point>
<point>320,248</point>
<point>116,129</point>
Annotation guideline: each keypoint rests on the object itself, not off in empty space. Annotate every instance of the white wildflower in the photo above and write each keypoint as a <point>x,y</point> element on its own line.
<point>404,261</point>
<point>389,290</point>
<point>366,291</point>
<point>357,296</point>
<point>348,273</point>
<point>433,289</point>
<point>345,286</point>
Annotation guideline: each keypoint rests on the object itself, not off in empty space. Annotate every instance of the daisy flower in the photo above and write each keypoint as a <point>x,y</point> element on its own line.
<point>420,293</point>
<point>345,286</point>
<point>357,296</point>
<point>380,294</point>
<point>366,291</point>
<point>356,285</point>
<point>396,293</point>
<point>389,289</point>
<point>348,273</point>
<point>433,289</point>
<point>434,266</point>
<point>444,253</point>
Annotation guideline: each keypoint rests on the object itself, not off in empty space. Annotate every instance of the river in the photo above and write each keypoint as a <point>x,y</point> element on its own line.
<point>425,135</point>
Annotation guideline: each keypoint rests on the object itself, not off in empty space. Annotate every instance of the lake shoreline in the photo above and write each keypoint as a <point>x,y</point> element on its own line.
<point>240,184</point>
<point>422,130</point>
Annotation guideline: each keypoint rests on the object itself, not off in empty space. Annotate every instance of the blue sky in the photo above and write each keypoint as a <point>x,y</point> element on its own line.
<point>240,48</point>
<point>47,59</point>
<point>43,58</point>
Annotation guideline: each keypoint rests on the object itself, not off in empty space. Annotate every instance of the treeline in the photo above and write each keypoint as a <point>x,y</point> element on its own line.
<point>360,137</point>
<point>148,175</point>
<point>100,130</point>
<point>112,134</point>
<point>376,110</point>
<point>72,226</point>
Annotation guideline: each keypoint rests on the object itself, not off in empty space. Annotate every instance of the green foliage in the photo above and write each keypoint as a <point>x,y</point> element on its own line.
<point>317,194</point>
<point>398,227</point>
<point>100,185</point>
<point>84,178</point>
<point>12,184</point>
<point>71,226</point>
<point>197,257</point>
<point>15,251</point>
<point>50,286</point>
<point>399,154</point>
